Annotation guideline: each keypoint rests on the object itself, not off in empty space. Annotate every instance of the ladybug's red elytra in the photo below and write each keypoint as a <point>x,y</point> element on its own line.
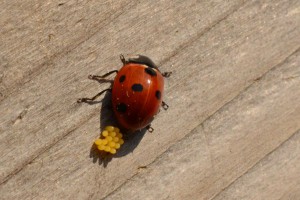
<point>137,92</point>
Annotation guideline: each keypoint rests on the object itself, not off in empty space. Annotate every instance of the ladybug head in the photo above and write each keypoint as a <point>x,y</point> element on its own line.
<point>140,59</point>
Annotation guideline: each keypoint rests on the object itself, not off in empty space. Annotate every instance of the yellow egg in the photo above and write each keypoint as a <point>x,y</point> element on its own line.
<point>112,144</point>
<point>117,130</point>
<point>104,141</point>
<point>105,133</point>
<point>101,147</point>
<point>113,151</point>
<point>109,138</point>
<point>98,141</point>
<point>121,141</point>
<point>116,139</point>
<point>119,135</point>
<point>109,128</point>
<point>107,148</point>
<point>117,146</point>
<point>112,134</point>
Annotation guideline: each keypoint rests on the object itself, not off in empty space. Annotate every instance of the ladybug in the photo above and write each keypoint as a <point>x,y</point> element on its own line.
<point>137,92</point>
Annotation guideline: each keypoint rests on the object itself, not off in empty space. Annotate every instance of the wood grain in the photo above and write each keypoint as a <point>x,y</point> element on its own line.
<point>218,52</point>
<point>277,176</point>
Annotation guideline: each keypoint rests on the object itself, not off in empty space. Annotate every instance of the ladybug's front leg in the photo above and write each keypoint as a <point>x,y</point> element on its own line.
<point>97,77</point>
<point>93,98</point>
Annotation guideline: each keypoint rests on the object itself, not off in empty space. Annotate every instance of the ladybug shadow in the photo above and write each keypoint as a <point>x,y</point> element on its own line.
<point>107,119</point>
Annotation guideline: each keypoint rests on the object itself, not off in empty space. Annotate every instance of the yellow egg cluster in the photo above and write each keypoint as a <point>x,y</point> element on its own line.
<point>110,140</point>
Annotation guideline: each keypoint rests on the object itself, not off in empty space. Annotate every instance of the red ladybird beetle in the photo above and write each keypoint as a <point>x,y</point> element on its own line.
<point>137,92</point>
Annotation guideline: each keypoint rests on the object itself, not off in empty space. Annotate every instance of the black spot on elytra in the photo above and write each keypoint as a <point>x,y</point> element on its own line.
<point>121,107</point>
<point>122,78</point>
<point>150,71</point>
<point>158,94</point>
<point>137,87</point>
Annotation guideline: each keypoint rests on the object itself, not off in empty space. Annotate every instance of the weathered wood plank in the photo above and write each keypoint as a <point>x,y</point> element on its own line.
<point>35,33</point>
<point>275,177</point>
<point>212,60</point>
<point>229,143</point>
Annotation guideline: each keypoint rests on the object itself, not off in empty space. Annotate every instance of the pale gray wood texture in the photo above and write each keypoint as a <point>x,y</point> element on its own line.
<point>275,177</point>
<point>234,97</point>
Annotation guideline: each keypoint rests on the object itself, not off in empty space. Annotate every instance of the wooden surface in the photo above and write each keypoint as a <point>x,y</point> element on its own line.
<point>232,129</point>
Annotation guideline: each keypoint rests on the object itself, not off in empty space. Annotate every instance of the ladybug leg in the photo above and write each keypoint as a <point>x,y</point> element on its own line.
<point>166,74</point>
<point>149,128</point>
<point>93,98</point>
<point>164,105</point>
<point>96,77</point>
<point>123,60</point>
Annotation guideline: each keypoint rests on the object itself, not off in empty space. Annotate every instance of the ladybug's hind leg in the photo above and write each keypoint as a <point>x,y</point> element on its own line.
<point>164,105</point>
<point>149,128</point>
<point>94,97</point>
<point>166,74</point>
